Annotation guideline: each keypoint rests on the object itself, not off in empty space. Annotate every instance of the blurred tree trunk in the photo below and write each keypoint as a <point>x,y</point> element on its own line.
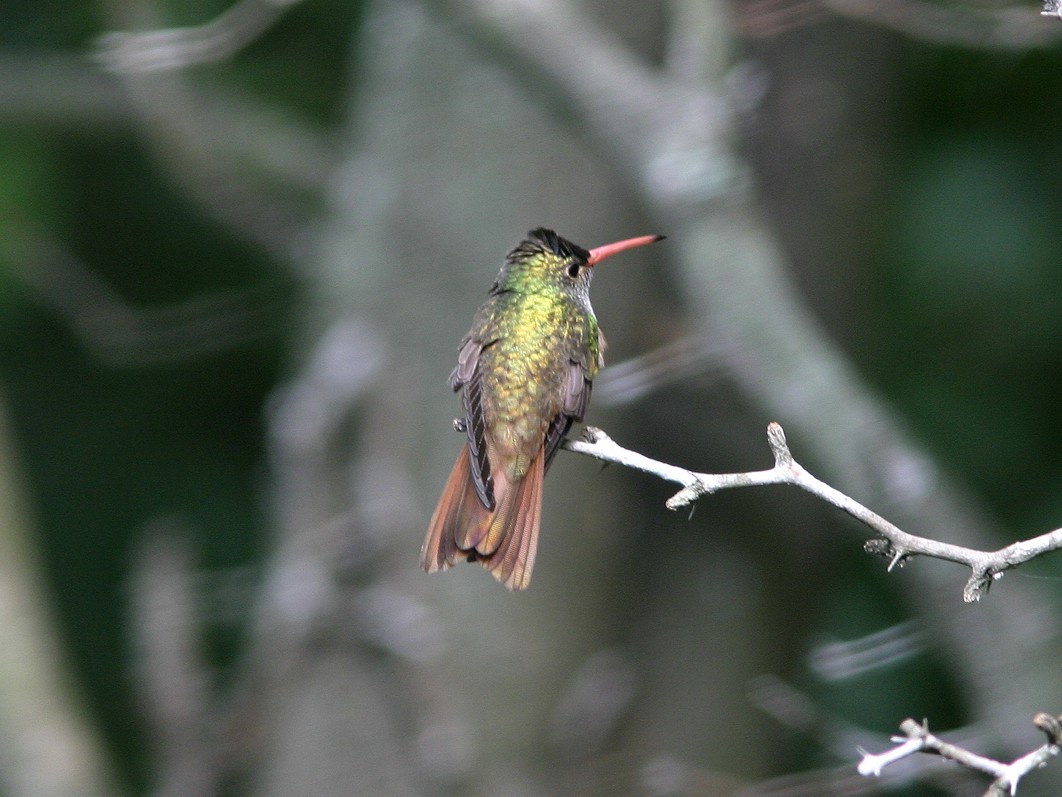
<point>633,647</point>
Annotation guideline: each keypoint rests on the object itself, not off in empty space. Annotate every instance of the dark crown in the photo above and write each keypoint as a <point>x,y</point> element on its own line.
<point>549,241</point>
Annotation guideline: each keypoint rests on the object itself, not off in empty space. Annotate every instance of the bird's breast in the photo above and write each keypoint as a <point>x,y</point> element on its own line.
<point>524,374</point>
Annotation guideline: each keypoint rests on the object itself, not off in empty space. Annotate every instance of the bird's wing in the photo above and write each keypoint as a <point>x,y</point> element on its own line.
<point>576,399</point>
<point>466,378</point>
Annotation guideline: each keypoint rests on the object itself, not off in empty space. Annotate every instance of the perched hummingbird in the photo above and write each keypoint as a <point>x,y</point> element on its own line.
<point>524,371</point>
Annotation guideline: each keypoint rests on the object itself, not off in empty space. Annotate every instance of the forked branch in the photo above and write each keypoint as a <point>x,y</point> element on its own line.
<point>891,541</point>
<point>918,739</point>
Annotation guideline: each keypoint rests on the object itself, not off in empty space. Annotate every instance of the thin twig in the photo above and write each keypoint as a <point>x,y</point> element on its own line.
<point>892,542</point>
<point>918,739</point>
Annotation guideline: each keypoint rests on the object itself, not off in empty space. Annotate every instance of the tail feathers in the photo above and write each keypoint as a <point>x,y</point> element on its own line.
<point>503,541</point>
<point>457,501</point>
<point>514,558</point>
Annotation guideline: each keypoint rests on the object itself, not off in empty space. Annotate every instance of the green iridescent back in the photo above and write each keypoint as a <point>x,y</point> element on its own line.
<point>527,364</point>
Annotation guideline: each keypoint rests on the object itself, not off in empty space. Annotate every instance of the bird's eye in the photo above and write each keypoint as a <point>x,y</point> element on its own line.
<point>573,270</point>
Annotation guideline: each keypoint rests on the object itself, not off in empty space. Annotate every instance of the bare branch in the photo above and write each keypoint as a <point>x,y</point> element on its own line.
<point>176,48</point>
<point>1014,27</point>
<point>206,148</point>
<point>122,333</point>
<point>172,674</point>
<point>894,543</point>
<point>918,739</point>
<point>667,129</point>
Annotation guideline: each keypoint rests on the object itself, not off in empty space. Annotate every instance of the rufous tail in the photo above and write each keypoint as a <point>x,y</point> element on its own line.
<point>503,540</point>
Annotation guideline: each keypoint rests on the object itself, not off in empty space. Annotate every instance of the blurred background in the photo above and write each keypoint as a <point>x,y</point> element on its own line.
<point>238,247</point>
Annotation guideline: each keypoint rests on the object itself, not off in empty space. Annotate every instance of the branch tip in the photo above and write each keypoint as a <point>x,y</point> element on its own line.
<point>783,457</point>
<point>977,587</point>
<point>593,434</point>
<point>1052,726</point>
<point>880,546</point>
<point>686,496</point>
<point>915,730</point>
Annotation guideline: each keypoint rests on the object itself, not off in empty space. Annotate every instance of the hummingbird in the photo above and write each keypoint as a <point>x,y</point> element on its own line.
<point>524,370</point>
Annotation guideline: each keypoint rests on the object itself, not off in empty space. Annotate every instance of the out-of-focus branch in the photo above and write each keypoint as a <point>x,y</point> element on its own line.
<point>980,26</point>
<point>121,333</point>
<point>1015,27</point>
<point>172,674</point>
<point>176,48</point>
<point>664,128</point>
<point>762,19</point>
<point>205,157</point>
<point>893,542</point>
<point>55,88</point>
<point>190,147</point>
<point>918,739</point>
<point>682,359</point>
